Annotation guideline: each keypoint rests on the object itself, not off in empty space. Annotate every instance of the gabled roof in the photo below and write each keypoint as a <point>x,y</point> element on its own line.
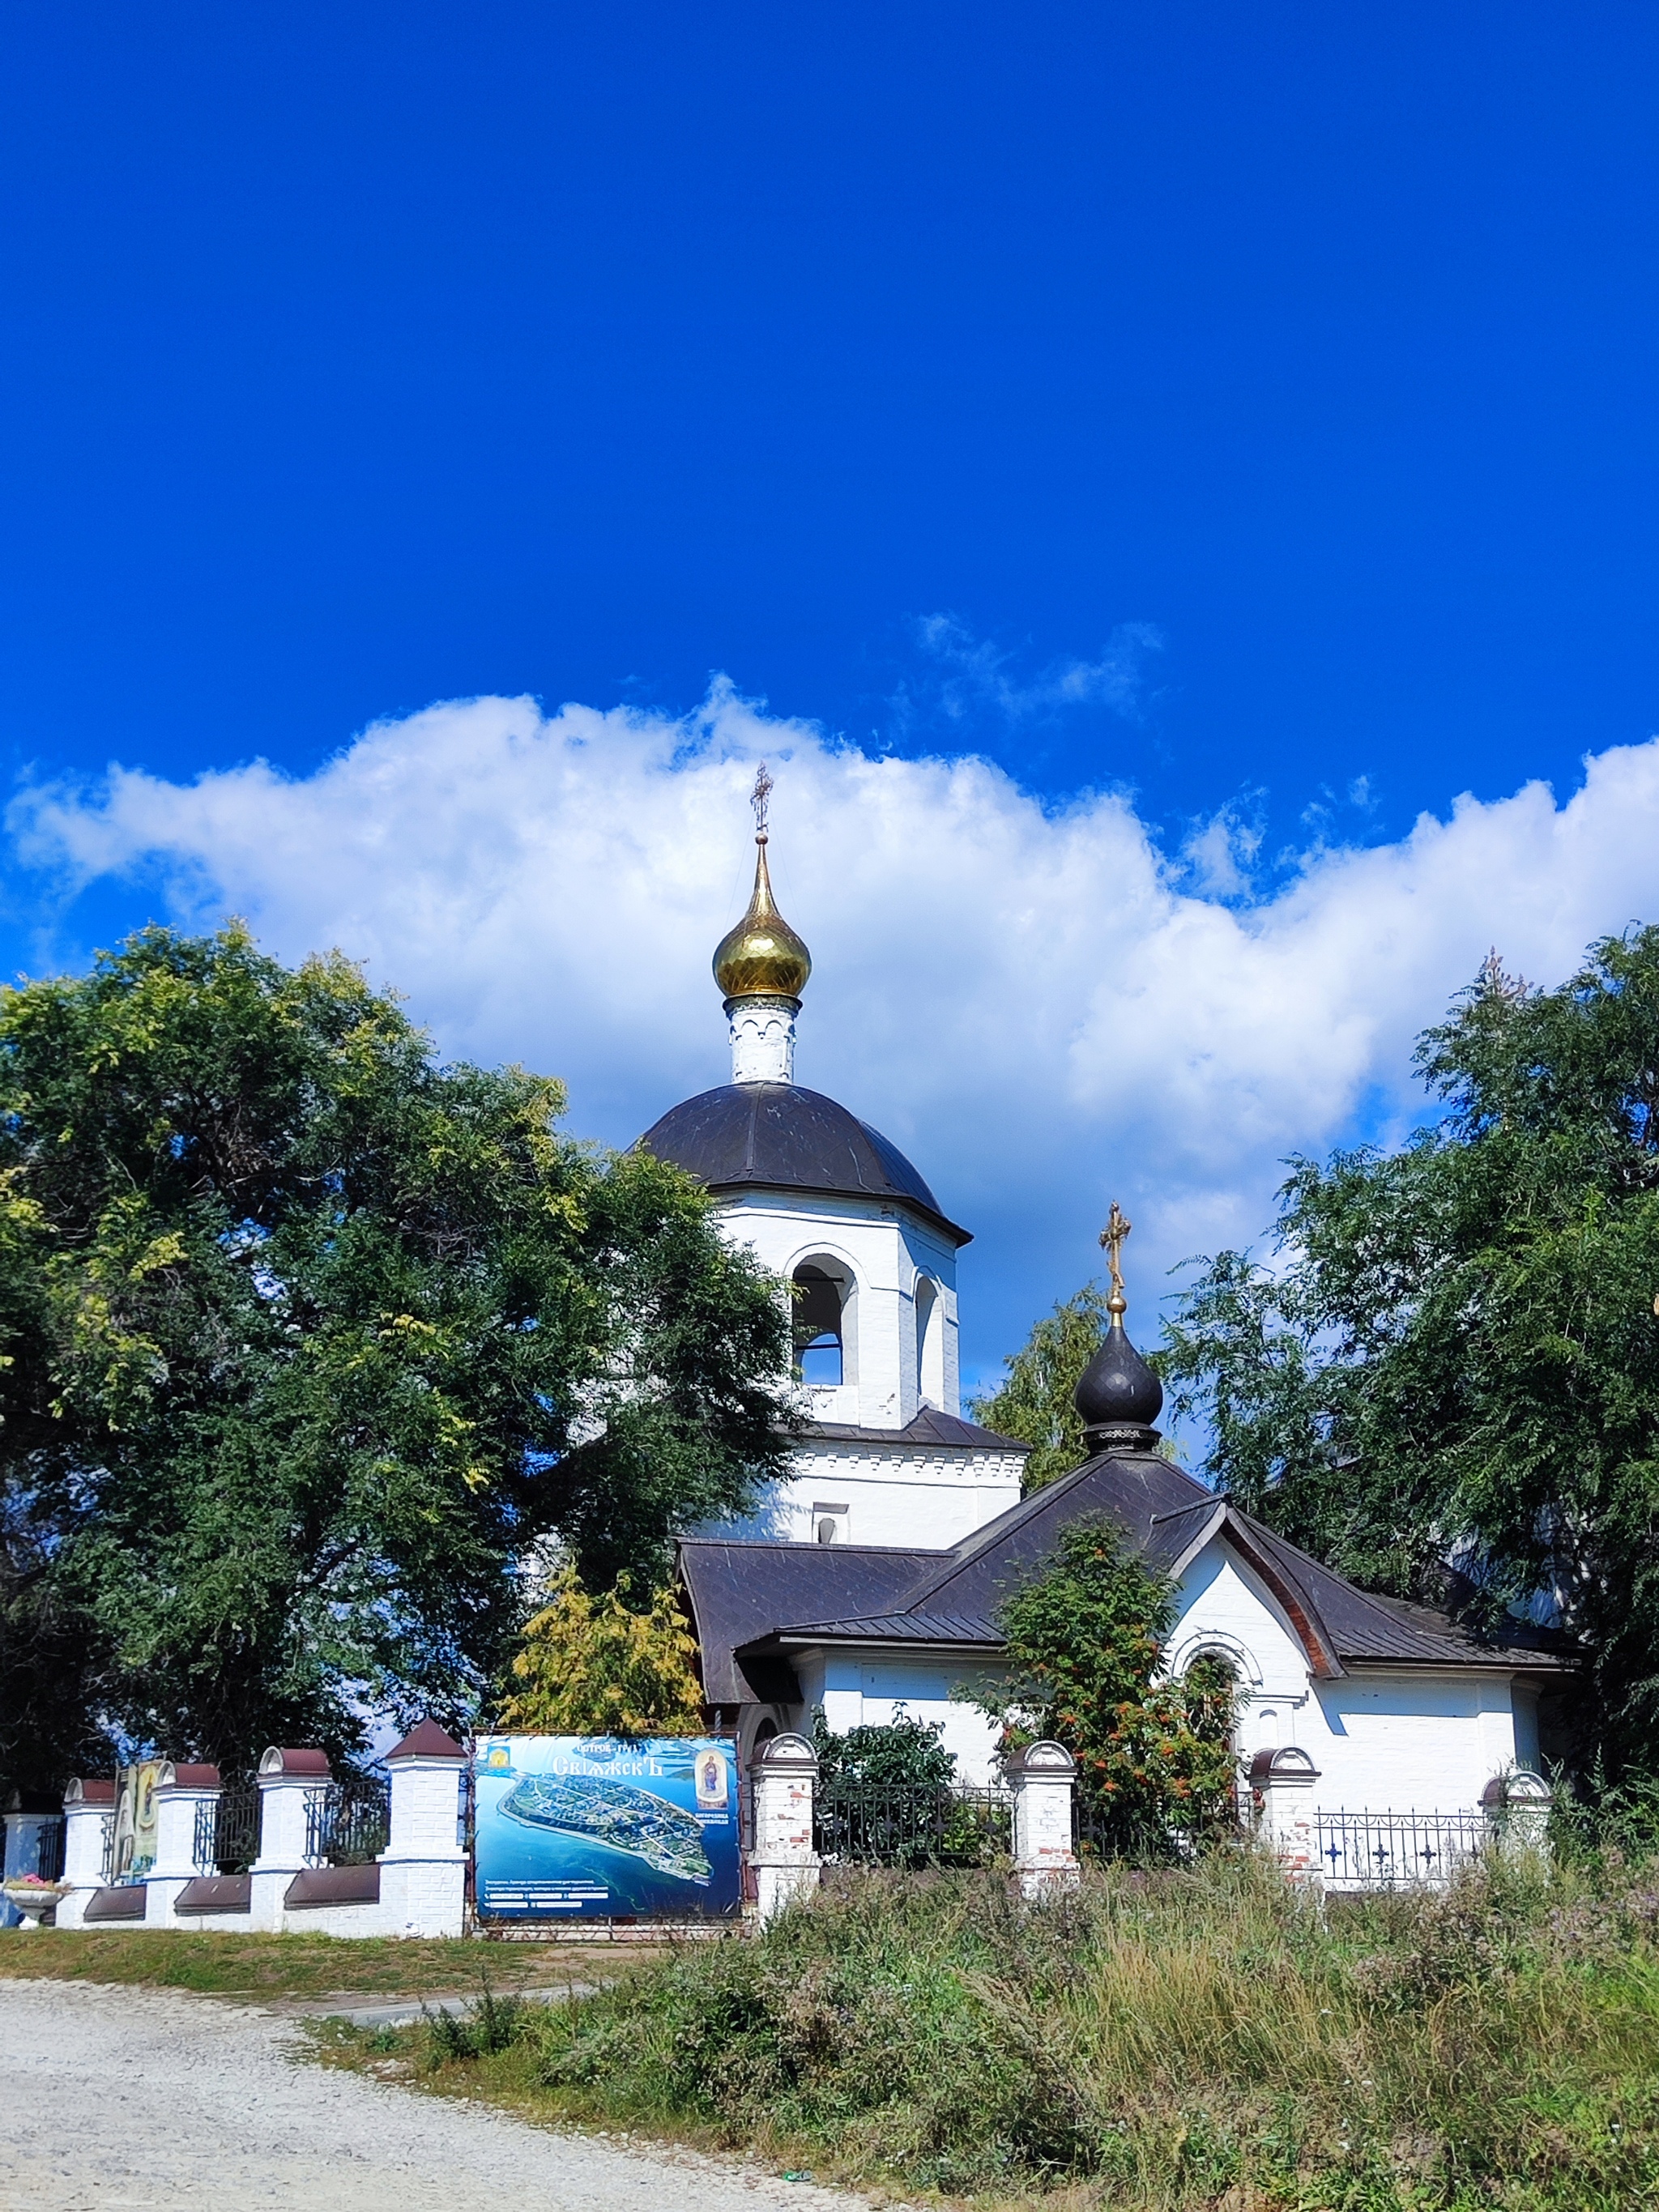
<point>751,1601</point>
<point>426,1740</point>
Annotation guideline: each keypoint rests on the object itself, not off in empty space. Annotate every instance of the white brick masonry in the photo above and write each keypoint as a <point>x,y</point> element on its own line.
<point>176,1862</point>
<point>1282,1785</point>
<point>286,1795</point>
<point>423,1867</point>
<point>86,1837</point>
<point>762,1039</point>
<point>882,1250</point>
<point>783,1779</point>
<point>901,1279</point>
<point>1042,1777</point>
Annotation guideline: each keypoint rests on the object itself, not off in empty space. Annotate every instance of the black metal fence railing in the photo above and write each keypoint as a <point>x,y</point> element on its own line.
<point>1092,1837</point>
<point>881,1824</point>
<point>36,1846</point>
<point>1394,1851</point>
<point>348,1820</point>
<point>227,1828</point>
<point>54,1838</point>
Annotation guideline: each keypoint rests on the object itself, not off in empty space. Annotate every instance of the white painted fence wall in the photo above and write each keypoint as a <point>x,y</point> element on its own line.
<point>418,1883</point>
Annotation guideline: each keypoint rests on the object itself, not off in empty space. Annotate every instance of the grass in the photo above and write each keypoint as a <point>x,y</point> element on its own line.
<point>292,1966</point>
<point>1206,2039</point>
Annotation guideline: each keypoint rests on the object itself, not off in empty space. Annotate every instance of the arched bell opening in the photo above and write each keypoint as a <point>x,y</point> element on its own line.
<point>824,1301</point>
<point>930,1342</point>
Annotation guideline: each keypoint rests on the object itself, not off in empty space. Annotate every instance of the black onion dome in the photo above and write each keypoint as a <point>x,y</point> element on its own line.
<point>1118,1397</point>
<point>776,1136</point>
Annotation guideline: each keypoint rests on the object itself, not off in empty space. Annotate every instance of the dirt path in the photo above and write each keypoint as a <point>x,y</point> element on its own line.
<point>147,2100</point>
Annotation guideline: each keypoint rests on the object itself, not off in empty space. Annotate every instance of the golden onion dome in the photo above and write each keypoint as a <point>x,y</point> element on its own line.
<point>762,957</point>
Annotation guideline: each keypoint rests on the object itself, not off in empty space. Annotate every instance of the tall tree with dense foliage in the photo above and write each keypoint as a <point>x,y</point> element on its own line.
<point>306,1340</point>
<point>1085,1642</point>
<point>1454,1359</point>
<point>1034,1401</point>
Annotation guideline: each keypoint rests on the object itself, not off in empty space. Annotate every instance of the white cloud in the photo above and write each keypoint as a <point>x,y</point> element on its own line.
<point>1029,1002</point>
<point>973,676</point>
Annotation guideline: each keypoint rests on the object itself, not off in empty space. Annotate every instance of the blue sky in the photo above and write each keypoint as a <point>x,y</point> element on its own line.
<point>1248,412</point>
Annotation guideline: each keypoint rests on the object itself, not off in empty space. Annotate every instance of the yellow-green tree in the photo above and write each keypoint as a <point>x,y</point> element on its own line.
<point>589,1665</point>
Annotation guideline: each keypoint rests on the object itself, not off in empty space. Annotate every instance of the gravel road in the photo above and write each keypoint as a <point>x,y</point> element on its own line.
<point>150,2101</point>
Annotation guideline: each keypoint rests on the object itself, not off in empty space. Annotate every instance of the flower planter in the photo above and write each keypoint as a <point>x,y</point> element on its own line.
<point>33,1898</point>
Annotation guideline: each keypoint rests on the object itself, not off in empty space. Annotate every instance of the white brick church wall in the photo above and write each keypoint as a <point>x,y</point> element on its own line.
<point>1385,1739</point>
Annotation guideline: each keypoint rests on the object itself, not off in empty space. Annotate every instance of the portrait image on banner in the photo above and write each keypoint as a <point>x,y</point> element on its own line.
<point>594,1827</point>
<point>136,1819</point>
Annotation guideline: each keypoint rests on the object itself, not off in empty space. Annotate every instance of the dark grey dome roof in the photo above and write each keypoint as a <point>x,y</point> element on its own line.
<point>1118,1396</point>
<point>776,1136</point>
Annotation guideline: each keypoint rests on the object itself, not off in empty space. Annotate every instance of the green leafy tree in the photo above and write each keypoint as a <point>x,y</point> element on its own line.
<point>1033,1401</point>
<point>1453,1362</point>
<point>306,1340</point>
<point>1085,1641</point>
<point>591,1665</point>
<point>902,1753</point>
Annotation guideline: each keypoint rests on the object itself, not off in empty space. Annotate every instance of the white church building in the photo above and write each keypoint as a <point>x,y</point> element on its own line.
<point>870,1582</point>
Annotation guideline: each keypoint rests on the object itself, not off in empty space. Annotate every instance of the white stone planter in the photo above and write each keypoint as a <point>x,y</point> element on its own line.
<point>32,1899</point>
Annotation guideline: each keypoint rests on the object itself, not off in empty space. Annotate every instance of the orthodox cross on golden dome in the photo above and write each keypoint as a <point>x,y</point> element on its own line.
<point>762,958</point>
<point>1111,1237</point>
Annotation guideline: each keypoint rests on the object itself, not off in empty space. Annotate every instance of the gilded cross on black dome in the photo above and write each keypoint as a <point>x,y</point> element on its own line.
<point>1118,1396</point>
<point>1118,1226</point>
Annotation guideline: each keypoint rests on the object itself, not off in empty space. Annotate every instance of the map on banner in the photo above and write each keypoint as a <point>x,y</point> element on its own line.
<point>596,1828</point>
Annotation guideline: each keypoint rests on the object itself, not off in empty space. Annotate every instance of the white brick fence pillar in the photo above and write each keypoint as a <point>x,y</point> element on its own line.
<point>423,1867</point>
<point>1042,1777</point>
<point>1517,1809</point>
<point>179,1791</point>
<point>783,1775</point>
<point>290,1782</point>
<point>1281,1787</point>
<point>88,1817</point>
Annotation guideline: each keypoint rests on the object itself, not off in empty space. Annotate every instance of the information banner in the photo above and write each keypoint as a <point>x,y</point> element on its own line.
<point>598,1828</point>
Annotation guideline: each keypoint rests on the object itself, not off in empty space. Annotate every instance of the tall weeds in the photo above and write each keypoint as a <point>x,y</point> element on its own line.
<point>1197,2037</point>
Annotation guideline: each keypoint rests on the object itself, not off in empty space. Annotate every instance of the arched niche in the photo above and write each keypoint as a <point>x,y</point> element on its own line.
<point>1217,1643</point>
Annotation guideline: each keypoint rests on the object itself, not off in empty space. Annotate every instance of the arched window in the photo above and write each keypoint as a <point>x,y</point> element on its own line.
<point>1215,1695</point>
<point>820,1360</point>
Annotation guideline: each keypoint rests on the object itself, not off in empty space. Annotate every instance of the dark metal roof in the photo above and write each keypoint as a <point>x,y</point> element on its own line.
<point>426,1740</point>
<point>777,1136</point>
<point>895,1627</point>
<point>740,1593</point>
<point>753,1599</point>
<point>929,1427</point>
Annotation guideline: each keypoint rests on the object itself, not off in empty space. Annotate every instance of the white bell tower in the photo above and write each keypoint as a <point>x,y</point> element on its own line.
<point>829,1205</point>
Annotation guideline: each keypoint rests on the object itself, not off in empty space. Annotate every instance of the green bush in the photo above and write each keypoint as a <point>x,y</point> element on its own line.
<point>1162,2040</point>
<point>495,2025</point>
